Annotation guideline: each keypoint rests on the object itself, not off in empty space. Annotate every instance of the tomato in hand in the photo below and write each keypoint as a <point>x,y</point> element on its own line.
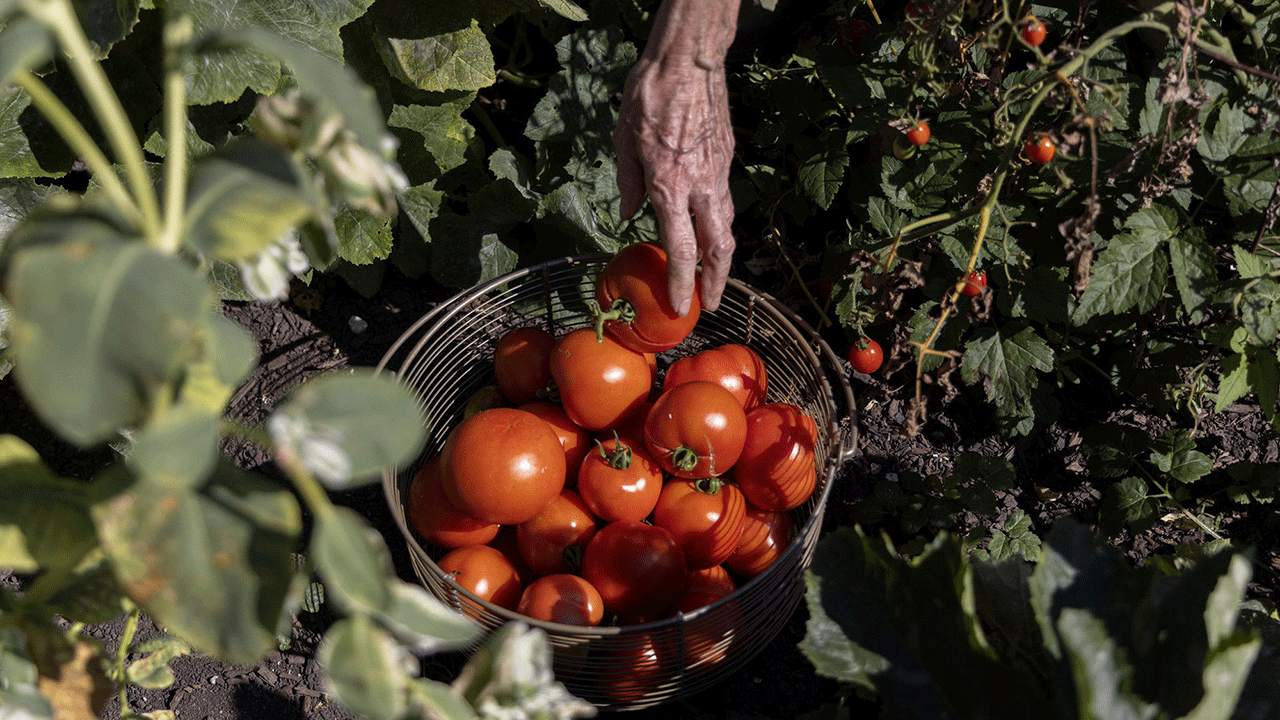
<point>765,535</point>
<point>737,368</point>
<point>1040,148</point>
<point>1033,31</point>
<point>485,572</point>
<point>503,466</point>
<point>777,470</point>
<point>438,520</point>
<point>866,356</point>
<point>552,542</point>
<point>631,291</point>
<point>562,598</point>
<point>704,516</point>
<point>601,383</point>
<point>575,441</point>
<point>919,134</point>
<point>620,481</point>
<point>973,283</point>
<point>522,363</point>
<point>639,569</point>
<point>695,430</point>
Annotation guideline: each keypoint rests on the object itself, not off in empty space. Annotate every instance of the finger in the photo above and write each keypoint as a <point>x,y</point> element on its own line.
<point>715,239</point>
<point>681,245</point>
<point>630,175</point>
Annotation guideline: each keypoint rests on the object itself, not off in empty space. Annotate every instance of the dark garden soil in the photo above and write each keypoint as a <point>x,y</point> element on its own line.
<point>328,326</point>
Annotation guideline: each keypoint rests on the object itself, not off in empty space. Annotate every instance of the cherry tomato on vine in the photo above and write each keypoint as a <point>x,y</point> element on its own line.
<point>919,134</point>
<point>631,291</point>
<point>973,283</point>
<point>547,541</point>
<point>486,572</point>
<point>765,535</point>
<point>620,481</point>
<point>866,355</point>
<point>704,515</point>
<point>777,470</point>
<point>522,363</point>
<point>1040,148</point>
<point>562,598</point>
<point>639,569</point>
<point>737,368</point>
<point>696,429</point>
<point>503,466</point>
<point>438,520</point>
<point>1033,32</point>
<point>600,382</point>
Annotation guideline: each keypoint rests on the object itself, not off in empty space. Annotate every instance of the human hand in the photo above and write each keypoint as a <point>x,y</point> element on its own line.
<point>674,143</point>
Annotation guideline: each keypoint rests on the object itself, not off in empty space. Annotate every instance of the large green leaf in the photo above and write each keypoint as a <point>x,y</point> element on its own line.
<point>179,448</point>
<point>365,668</point>
<point>98,323</point>
<point>243,199</point>
<point>422,623</point>
<point>19,693</point>
<point>1100,672</point>
<point>1132,270</point>
<point>25,44</point>
<point>44,519</point>
<point>433,46</point>
<point>106,22</point>
<point>1193,272</point>
<point>472,248</point>
<point>17,121</point>
<point>445,134</point>
<point>362,236</point>
<point>347,427</point>
<point>353,561</point>
<point>1007,359</point>
<point>224,72</point>
<point>822,173</point>
<point>212,564</point>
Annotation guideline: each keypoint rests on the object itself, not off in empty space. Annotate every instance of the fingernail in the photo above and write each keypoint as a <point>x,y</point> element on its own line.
<point>683,310</point>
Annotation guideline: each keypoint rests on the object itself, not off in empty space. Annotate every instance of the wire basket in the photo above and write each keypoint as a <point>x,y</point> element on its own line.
<point>448,355</point>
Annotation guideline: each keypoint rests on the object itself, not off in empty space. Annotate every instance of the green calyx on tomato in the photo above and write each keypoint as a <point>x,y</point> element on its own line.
<point>685,458</point>
<point>708,485</point>
<point>620,309</point>
<point>620,457</point>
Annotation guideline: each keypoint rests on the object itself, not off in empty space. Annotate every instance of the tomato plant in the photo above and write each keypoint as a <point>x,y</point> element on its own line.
<point>918,134</point>
<point>695,429</point>
<point>485,572</point>
<point>522,363</point>
<point>620,481</point>
<point>737,368</point>
<point>639,569</point>
<point>631,292</point>
<point>973,283</point>
<point>866,356</point>
<point>562,598</point>
<point>551,543</point>
<point>1040,148</point>
<point>438,520</point>
<point>601,382</point>
<point>776,470</point>
<point>503,466</point>
<point>1033,31</point>
<point>704,516</point>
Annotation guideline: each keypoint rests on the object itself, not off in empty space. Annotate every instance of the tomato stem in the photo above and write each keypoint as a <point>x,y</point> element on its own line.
<point>620,309</point>
<point>708,485</point>
<point>620,458</point>
<point>684,458</point>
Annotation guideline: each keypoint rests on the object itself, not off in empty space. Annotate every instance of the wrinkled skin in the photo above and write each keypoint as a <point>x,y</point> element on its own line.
<point>675,143</point>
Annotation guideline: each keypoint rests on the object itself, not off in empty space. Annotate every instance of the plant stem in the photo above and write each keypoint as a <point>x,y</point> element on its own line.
<point>177,33</point>
<point>486,122</point>
<point>79,139</point>
<point>312,492</point>
<point>60,17</point>
<point>1164,492</point>
<point>122,656</point>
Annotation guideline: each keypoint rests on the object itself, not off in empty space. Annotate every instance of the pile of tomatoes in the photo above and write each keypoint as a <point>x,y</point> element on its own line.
<point>622,500</point>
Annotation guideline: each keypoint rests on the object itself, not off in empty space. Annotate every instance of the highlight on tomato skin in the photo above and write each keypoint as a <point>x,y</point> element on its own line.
<point>919,134</point>
<point>973,283</point>
<point>1040,148</point>
<point>777,469</point>
<point>486,573</point>
<point>705,517</point>
<point>438,520</point>
<point>1033,31</point>
<point>866,355</point>
<point>696,430</point>
<point>766,534</point>
<point>562,598</point>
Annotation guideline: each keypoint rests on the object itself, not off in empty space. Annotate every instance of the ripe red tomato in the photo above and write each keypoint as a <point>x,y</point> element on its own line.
<point>695,430</point>
<point>547,541</point>
<point>503,466</point>
<point>575,441</point>
<point>522,363</point>
<point>436,519</point>
<point>737,368</point>
<point>919,134</point>
<point>1040,148</point>
<point>486,572</point>
<point>765,535</point>
<point>866,356</point>
<point>562,598</point>
<point>632,290</point>
<point>706,586</point>
<point>600,383</point>
<point>629,672</point>
<point>777,470</point>
<point>706,643</point>
<point>620,482</point>
<point>1033,31</point>
<point>973,283</point>
<point>639,569</point>
<point>507,544</point>
<point>704,516</point>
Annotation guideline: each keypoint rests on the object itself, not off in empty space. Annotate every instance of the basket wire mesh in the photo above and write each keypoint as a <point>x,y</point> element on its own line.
<point>447,355</point>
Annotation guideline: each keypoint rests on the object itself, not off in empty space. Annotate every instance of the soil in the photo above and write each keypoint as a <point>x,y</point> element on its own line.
<point>328,326</point>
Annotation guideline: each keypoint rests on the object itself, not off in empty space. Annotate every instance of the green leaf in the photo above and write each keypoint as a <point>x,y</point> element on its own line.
<point>1006,361</point>
<point>1260,311</point>
<point>106,22</point>
<point>362,236</point>
<point>885,218</point>
<point>347,427</point>
<point>243,199</point>
<point>44,520</point>
<point>438,700</point>
<point>18,125</point>
<point>1226,135</point>
<point>821,173</point>
<point>353,561</point>
<point>1225,674</point>
<point>1102,676</point>
<point>1234,381</point>
<point>1193,271</point>
<point>25,44</point>
<point>1127,505</point>
<point>223,72</point>
<point>423,624</point>
<point>445,134</point>
<point>1249,265</point>
<point>1015,539</point>
<point>1131,271</point>
<point>473,248</point>
<point>179,448</point>
<point>565,9</point>
<point>213,565</point>
<point>19,693</point>
<point>1264,378</point>
<point>152,669</point>
<point>97,323</point>
<point>432,47</point>
<point>1175,453</point>
<point>365,668</point>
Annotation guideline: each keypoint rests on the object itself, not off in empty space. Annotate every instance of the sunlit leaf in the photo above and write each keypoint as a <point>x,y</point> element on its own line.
<point>423,624</point>
<point>433,47</point>
<point>17,157</point>
<point>1234,381</point>
<point>362,236</point>
<point>1008,359</point>
<point>365,669</point>
<point>1132,270</point>
<point>1101,675</point>
<point>445,134</point>
<point>353,561</point>
<point>19,694</point>
<point>44,519</point>
<point>152,669</point>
